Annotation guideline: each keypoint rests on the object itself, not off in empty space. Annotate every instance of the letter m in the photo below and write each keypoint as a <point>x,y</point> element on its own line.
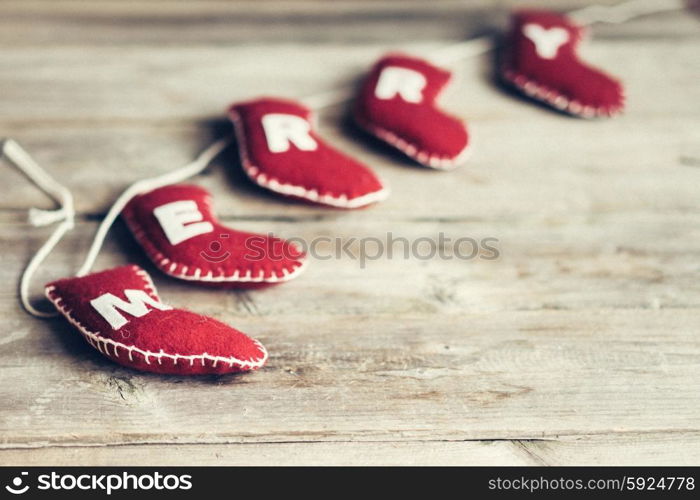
<point>138,300</point>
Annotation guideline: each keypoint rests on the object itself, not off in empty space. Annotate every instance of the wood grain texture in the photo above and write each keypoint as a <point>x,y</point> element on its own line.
<point>518,375</point>
<point>208,23</point>
<point>578,345</point>
<point>645,449</point>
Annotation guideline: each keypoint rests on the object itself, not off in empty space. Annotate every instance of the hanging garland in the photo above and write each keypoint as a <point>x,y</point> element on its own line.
<point>119,311</point>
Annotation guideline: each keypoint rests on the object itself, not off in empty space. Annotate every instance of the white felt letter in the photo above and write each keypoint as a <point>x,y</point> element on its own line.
<point>107,305</point>
<point>282,129</point>
<point>177,220</point>
<point>547,42</point>
<point>404,82</point>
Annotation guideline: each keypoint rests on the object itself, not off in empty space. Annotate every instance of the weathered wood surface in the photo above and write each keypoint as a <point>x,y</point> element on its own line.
<point>630,449</point>
<point>579,344</point>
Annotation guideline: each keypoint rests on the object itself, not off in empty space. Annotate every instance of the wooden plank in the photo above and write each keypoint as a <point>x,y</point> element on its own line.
<point>345,453</point>
<point>504,375</point>
<point>627,261</point>
<point>613,450</point>
<point>109,23</point>
<point>619,450</point>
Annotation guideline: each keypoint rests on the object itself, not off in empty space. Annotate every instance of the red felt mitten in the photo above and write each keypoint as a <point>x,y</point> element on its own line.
<point>397,105</point>
<point>177,228</point>
<point>541,60</point>
<point>120,314</point>
<point>281,151</point>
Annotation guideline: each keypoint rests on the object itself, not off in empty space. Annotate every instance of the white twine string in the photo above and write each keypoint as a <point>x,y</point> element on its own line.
<point>191,169</point>
<point>65,214</point>
<point>622,12</point>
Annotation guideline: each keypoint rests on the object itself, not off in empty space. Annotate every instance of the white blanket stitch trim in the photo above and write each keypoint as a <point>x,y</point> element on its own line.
<point>423,157</point>
<point>273,184</point>
<point>102,343</point>
<point>197,274</point>
<point>555,99</point>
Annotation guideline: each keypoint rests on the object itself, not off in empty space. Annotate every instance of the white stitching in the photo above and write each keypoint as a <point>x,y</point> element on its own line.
<point>425,158</point>
<point>96,340</point>
<point>555,99</point>
<point>148,283</point>
<point>253,172</point>
<point>161,262</point>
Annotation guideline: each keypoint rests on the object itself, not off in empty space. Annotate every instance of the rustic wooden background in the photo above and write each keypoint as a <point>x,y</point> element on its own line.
<point>579,345</point>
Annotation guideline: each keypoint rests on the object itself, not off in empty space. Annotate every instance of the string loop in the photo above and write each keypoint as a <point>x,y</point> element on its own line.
<point>65,214</point>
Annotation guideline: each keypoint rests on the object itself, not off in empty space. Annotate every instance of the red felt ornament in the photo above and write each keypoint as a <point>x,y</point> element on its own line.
<point>541,60</point>
<point>281,151</point>
<point>120,314</point>
<point>177,228</point>
<point>397,104</point>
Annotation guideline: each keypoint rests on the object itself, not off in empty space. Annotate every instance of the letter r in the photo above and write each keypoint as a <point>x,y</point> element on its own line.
<point>281,130</point>
<point>404,82</point>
